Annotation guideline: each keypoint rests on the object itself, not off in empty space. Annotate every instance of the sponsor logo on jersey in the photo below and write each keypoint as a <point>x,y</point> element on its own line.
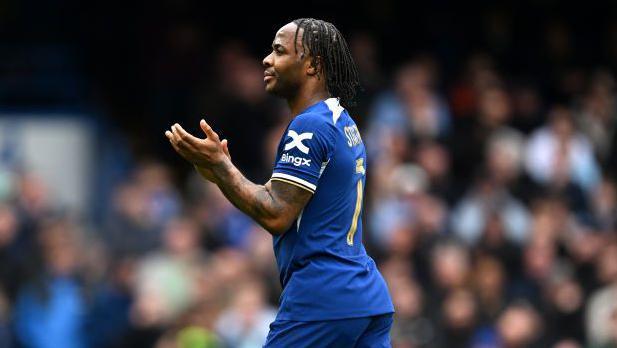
<point>296,160</point>
<point>296,141</point>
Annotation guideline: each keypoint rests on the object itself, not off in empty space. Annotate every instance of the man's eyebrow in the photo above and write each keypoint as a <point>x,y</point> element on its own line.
<point>277,45</point>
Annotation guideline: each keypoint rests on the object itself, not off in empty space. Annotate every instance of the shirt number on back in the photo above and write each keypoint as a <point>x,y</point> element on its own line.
<point>359,194</point>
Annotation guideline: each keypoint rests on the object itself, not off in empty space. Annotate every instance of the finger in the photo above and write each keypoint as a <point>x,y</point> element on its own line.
<point>173,138</point>
<point>186,136</point>
<point>181,141</point>
<point>172,141</point>
<point>175,133</point>
<point>210,133</point>
<point>225,147</point>
<point>179,144</point>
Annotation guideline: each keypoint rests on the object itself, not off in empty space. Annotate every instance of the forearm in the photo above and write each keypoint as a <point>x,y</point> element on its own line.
<point>257,201</point>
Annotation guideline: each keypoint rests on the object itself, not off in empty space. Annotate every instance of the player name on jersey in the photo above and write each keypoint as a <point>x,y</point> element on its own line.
<point>353,135</point>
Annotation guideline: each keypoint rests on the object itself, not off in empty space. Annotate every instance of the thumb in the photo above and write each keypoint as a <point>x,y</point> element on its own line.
<point>210,133</point>
<point>225,148</point>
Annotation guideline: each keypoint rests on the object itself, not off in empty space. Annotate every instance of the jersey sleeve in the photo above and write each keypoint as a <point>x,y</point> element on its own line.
<point>307,148</point>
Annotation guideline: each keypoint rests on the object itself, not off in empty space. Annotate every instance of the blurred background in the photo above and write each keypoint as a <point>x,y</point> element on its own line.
<point>491,202</point>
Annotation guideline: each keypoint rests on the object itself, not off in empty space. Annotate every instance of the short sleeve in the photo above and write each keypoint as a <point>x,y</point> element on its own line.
<point>307,148</point>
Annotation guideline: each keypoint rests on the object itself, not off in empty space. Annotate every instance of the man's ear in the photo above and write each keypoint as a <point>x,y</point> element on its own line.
<point>311,71</point>
<point>314,67</point>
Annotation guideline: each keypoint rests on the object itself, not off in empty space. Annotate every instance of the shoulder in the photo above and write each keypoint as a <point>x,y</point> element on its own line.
<point>315,128</point>
<point>314,121</point>
<point>316,118</point>
<point>328,112</point>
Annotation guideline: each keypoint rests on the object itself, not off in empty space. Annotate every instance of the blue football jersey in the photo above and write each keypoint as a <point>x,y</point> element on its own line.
<point>323,266</point>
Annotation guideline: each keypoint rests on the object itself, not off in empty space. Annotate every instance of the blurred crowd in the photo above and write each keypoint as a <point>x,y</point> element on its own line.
<point>491,210</point>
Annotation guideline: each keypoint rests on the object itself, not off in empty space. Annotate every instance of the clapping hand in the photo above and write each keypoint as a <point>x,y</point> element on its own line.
<point>205,154</point>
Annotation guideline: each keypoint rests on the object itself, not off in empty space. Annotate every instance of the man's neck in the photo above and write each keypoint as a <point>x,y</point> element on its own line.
<point>306,99</point>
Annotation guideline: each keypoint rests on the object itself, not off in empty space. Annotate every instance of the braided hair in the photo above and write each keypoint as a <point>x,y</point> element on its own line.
<point>331,55</point>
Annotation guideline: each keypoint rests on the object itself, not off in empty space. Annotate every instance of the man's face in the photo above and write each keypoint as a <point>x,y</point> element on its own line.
<point>285,69</point>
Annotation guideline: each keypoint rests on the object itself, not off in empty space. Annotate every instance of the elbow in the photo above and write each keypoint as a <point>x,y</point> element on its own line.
<point>276,227</point>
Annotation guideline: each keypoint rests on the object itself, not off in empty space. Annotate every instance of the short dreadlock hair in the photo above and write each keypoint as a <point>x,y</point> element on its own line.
<point>330,53</point>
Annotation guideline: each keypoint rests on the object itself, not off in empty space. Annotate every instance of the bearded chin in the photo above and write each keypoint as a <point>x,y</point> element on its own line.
<point>285,89</point>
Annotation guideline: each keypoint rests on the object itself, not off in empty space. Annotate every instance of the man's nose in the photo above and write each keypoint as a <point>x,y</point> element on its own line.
<point>267,62</point>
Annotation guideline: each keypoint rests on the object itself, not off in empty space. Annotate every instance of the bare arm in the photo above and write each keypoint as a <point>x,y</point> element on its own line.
<point>275,205</point>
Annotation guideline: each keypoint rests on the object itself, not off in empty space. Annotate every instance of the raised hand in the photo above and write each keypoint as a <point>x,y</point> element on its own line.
<point>204,154</point>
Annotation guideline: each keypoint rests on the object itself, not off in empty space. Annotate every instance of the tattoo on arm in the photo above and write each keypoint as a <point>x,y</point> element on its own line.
<point>294,198</point>
<point>275,205</point>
